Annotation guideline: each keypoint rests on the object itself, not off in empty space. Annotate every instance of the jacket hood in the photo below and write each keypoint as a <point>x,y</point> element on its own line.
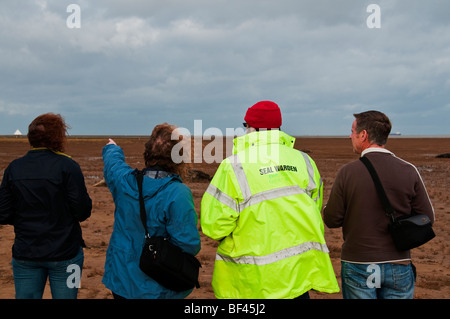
<point>262,138</point>
<point>151,186</point>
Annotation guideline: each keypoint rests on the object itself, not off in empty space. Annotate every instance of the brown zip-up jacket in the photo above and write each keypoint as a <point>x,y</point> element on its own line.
<point>355,205</point>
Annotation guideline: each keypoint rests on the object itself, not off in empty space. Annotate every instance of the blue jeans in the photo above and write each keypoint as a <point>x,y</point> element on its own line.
<point>64,277</point>
<point>377,281</point>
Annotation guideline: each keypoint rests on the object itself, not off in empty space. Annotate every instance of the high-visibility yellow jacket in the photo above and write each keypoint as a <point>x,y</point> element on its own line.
<point>264,205</point>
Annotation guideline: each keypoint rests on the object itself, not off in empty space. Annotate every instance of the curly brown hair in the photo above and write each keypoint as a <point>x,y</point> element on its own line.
<point>158,149</point>
<point>48,130</point>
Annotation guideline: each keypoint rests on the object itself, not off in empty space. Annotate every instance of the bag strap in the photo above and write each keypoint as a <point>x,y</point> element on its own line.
<point>140,178</point>
<point>385,201</point>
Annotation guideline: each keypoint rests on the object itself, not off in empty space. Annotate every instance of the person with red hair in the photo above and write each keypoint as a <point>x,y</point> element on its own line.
<point>48,131</point>
<point>43,195</point>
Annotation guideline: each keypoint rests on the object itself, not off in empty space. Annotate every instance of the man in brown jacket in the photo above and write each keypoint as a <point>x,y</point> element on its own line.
<point>371,265</point>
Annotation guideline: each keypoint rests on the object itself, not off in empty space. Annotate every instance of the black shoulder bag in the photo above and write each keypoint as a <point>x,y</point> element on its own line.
<point>164,262</point>
<point>408,231</point>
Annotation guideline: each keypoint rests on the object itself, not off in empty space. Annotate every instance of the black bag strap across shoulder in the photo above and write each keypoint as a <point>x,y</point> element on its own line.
<point>140,178</point>
<point>385,201</point>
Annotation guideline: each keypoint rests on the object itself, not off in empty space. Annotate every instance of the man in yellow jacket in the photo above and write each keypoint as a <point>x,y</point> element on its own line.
<point>264,205</point>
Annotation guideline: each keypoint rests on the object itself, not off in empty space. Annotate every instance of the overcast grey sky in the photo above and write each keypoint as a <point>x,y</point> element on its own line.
<point>137,63</point>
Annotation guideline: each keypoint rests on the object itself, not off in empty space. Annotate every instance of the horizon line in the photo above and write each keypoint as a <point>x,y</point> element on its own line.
<point>93,136</point>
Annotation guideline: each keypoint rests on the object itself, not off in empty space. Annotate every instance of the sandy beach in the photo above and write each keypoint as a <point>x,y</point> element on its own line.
<point>432,260</point>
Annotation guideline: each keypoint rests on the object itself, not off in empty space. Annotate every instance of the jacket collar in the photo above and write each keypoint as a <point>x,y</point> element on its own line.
<point>375,149</point>
<point>262,138</point>
<point>45,148</point>
<point>158,173</point>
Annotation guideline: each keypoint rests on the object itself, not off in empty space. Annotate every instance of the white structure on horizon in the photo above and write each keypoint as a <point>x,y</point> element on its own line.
<point>17,133</point>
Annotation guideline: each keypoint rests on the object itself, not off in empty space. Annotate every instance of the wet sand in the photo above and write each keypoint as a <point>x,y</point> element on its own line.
<point>432,260</point>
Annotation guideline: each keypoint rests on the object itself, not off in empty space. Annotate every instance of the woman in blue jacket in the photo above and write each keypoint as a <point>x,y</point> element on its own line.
<point>170,213</point>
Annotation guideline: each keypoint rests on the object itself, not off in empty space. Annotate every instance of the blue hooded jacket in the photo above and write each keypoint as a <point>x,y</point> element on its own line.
<point>170,213</point>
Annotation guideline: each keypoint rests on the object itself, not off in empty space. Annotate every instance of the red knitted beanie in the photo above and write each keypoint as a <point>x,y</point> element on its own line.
<point>264,114</point>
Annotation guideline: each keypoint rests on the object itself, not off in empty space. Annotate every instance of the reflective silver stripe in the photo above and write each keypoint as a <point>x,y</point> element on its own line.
<point>312,184</point>
<point>240,175</point>
<point>250,199</point>
<point>271,194</point>
<point>254,199</point>
<point>276,256</point>
<point>318,189</point>
<point>222,197</point>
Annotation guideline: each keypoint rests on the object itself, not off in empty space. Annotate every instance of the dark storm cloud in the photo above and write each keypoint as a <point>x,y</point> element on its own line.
<point>134,64</point>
